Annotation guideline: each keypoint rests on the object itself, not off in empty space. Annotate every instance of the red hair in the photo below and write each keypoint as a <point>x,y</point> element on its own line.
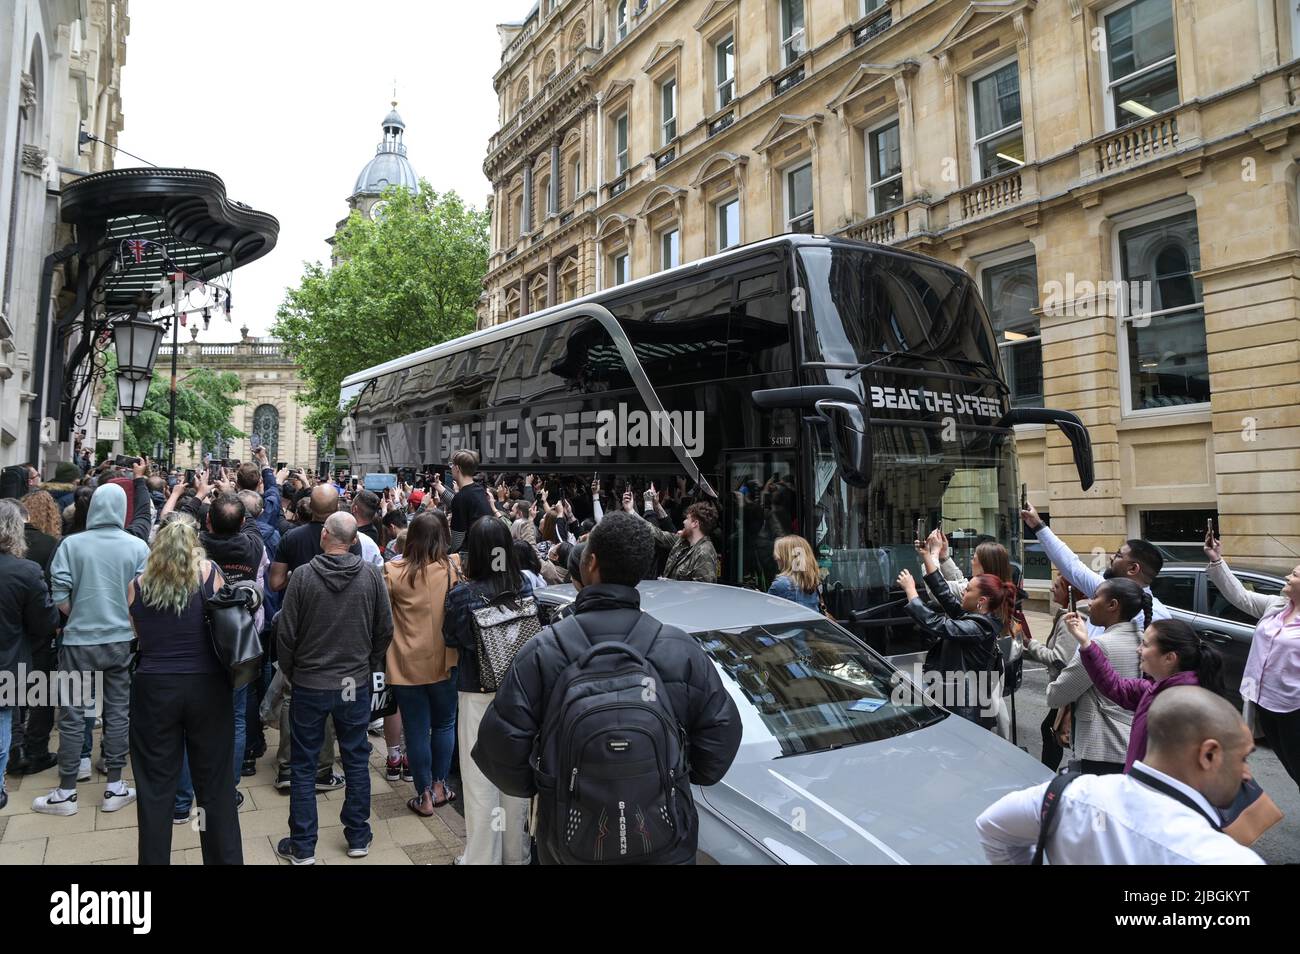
<point>1000,593</point>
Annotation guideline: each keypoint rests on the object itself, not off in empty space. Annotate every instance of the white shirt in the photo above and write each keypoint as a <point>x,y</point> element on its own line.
<point>370,550</point>
<point>1110,820</point>
<point>1086,580</point>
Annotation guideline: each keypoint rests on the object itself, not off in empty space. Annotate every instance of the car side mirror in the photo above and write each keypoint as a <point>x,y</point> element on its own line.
<point>851,438</point>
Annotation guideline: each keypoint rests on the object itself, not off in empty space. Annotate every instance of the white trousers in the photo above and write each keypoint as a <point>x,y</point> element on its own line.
<point>495,823</point>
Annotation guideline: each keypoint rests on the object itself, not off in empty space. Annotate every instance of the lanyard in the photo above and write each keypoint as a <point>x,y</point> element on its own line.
<point>1165,788</point>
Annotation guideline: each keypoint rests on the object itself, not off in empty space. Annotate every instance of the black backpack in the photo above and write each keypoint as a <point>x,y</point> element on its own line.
<point>611,756</point>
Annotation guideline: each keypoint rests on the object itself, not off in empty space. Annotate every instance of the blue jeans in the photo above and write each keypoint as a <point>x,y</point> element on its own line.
<point>6,736</point>
<point>185,787</point>
<point>307,715</point>
<point>429,723</point>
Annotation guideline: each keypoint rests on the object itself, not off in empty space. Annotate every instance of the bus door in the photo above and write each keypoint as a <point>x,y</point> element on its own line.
<point>759,504</point>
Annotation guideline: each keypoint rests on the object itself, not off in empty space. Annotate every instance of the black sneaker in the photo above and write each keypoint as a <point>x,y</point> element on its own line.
<point>249,767</point>
<point>239,799</point>
<point>35,764</point>
<point>360,851</point>
<point>329,782</point>
<point>179,817</point>
<point>285,850</point>
<point>283,780</point>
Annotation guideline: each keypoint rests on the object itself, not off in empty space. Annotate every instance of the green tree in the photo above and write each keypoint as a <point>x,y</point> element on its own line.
<point>405,281</point>
<point>204,408</point>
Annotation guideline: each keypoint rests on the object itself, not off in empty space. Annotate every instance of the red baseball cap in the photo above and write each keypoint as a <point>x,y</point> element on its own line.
<point>417,497</point>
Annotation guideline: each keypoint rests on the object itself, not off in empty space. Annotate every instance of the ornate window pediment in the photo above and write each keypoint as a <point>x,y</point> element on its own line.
<point>661,54</point>
<point>661,198</point>
<point>616,227</point>
<point>787,127</point>
<point>712,12</point>
<point>976,21</point>
<point>718,165</point>
<point>870,78</point>
<point>616,89</point>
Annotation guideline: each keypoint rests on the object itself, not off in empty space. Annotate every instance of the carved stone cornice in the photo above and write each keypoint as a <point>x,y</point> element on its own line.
<point>34,158</point>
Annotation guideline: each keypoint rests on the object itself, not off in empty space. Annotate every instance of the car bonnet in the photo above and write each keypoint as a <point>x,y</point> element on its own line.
<point>912,799</point>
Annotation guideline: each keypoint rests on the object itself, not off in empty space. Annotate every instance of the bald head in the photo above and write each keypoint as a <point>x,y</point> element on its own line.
<point>1200,739</point>
<point>324,501</point>
<point>340,532</point>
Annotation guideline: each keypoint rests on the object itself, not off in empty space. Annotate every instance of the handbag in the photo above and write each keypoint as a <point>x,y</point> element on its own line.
<point>230,616</point>
<point>1250,815</point>
<point>501,626</point>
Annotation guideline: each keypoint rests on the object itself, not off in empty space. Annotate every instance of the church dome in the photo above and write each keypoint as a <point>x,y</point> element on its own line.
<point>390,166</point>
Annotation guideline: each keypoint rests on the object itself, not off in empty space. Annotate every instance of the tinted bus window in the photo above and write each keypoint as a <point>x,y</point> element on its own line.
<point>758,338</point>
<point>680,335</point>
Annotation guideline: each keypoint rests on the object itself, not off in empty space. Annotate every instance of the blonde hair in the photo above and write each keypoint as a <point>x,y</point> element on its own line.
<point>171,574</point>
<point>43,513</point>
<point>795,558</point>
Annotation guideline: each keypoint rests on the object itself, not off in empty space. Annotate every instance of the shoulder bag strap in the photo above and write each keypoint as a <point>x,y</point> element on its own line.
<point>1048,811</point>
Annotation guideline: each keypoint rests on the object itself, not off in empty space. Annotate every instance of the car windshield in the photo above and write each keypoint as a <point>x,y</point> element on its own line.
<point>809,686</point>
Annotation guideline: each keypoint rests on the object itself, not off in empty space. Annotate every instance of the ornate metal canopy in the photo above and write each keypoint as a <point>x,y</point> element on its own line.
<point>135,229</point>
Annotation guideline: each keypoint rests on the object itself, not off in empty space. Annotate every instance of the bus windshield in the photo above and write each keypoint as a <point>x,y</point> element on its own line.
<point>935,396</point>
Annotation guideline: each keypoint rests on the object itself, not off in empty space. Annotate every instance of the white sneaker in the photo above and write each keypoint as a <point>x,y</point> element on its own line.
<point>376,727</point>
<point>52,804</point>
<point>83,771</point>
<point>113,801</point>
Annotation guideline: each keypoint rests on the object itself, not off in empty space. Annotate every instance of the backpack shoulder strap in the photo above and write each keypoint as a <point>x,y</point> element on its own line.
<point>570,637</point>
<point>643,635</point>
<point>1048,811</point>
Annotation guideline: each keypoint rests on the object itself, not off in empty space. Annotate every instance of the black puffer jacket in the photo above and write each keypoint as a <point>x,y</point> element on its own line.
<point>967,642</point>
<point>607,611</point>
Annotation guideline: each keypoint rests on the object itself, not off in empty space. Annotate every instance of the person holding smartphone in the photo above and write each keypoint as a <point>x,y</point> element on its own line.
<point>1270,683</point>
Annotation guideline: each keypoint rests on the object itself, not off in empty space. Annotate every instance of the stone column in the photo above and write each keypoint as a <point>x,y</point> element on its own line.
<point>527,217</point>
<point>554,198</point>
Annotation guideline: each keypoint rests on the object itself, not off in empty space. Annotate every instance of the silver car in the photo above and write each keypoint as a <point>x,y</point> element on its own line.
<point>842,761</point>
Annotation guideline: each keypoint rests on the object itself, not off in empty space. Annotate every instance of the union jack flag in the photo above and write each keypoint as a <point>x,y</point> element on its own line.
<point>137,248</point>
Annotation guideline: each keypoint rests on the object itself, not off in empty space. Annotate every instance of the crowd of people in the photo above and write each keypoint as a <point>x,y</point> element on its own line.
<point>385,613</point>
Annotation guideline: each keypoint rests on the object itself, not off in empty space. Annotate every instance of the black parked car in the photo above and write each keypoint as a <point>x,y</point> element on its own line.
<point>1191,596</point>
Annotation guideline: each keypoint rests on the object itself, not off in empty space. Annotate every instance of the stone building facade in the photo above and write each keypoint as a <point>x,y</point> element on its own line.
<point>60,69</point>
<point>1118,175</point>
<point>268,382</point>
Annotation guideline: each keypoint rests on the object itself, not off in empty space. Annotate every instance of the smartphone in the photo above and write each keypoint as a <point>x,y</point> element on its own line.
<point>122,461</point>
<point>920,529</point>
<point>281,465</point>
<point>189,477</point>
<point>1024,496</point>
<point>255,443</point>
<point>1209,526</point>
<point>1073,607</point>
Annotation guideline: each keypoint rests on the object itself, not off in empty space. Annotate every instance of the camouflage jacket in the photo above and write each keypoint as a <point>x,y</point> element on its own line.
<point>687,561</point>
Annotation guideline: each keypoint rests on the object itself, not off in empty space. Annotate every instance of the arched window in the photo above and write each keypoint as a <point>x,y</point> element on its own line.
<point>548,66</point>
<point>523,95</point>
<point>578,38</point>
<point>266,426</point>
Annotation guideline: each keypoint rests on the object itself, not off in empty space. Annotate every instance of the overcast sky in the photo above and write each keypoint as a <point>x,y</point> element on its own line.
<point>283,99</point>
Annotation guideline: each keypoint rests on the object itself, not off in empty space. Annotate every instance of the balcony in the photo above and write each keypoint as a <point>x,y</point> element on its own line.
<point>873,27</point>
<point>665,157</point>
<point>788,78</point>
<point>883,229</point>
<point>722,122</point>
<point>1137,144</point>
<point>990,195</point>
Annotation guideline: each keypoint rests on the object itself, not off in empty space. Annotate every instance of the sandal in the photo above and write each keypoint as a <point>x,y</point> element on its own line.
<point>450,796</point>
<point>414,803</point>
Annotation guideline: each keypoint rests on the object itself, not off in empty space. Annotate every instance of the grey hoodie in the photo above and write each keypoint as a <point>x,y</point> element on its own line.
<point>91,570</point>
<point>335,625</point>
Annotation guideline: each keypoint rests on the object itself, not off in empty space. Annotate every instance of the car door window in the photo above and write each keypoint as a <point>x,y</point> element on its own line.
<point>1217,604</point>
<point>1176,590</point>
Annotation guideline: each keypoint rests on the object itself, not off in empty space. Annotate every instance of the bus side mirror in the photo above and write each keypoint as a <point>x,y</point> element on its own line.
<point>1073,428</point>
<point>851,438</point>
